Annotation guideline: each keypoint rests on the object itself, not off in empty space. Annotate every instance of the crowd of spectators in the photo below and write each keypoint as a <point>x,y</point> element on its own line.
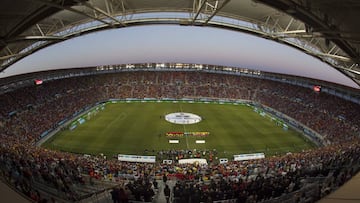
<point>259,180</point>
<point>26,113</point>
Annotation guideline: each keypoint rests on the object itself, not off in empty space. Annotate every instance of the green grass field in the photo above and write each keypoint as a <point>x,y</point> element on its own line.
<point>130,128</point>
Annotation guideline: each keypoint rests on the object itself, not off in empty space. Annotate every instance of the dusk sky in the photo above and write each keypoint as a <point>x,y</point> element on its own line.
<point>182,44</point>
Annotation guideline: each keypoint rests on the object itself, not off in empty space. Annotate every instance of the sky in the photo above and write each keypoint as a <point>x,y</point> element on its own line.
<point>177,44</point>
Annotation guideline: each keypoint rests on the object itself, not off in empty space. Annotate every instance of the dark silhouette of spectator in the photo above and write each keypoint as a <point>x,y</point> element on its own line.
<point>148,194</point>
<point>123,198</point>
<point>167,193</point>
<point>115,195</point>
<point>164,178</point>
<point>155,183</point>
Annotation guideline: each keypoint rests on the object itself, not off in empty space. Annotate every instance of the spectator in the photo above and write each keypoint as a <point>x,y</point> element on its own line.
<point>167,193</point>
<point>115,195</point>
<point>164,178</point>
<point>123,198</point>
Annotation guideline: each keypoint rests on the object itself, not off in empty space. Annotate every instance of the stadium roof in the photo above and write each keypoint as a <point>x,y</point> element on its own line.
<point>327,29</point>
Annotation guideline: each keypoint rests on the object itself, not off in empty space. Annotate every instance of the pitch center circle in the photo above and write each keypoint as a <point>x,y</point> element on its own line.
<point>182,118</point>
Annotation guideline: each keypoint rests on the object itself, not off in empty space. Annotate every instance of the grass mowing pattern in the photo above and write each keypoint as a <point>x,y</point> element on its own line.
<point>130,128</point>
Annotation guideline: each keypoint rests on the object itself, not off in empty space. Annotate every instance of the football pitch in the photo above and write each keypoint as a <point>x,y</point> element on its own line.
<point>136,127</point>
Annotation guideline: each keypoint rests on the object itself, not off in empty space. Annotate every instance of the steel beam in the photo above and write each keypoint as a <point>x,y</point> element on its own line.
<point>289,24</point>
<point>338,57</point>
<point>9,50</point>
<point>198,9</point>
<point>292,32</point>
<point>332,49</point>
<point>36,38</point>
<point>216,10</point>
<point>88,5</point>
<point>9,56</point>
<point>51,4</point>
<point>40,30</point>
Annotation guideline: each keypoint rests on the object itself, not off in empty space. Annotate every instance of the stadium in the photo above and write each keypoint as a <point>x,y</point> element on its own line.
<point>125,132</point>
